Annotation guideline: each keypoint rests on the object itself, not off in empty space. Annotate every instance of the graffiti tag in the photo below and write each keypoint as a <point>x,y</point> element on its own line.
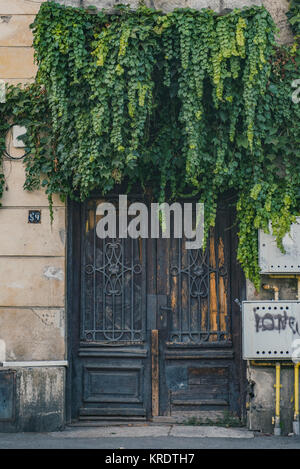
<point>276,322</point>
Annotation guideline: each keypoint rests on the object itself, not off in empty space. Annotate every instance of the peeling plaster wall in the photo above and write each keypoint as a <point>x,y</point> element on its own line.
<point>32,257</point>
<point>39,400</point>
<point>261,380</point>
<point>262,399</point>
<point>41,394</point>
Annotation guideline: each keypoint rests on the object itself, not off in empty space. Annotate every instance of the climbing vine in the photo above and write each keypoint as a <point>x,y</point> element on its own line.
<point>294,17</point>
<point>273,192</point>
<point>188,102</point>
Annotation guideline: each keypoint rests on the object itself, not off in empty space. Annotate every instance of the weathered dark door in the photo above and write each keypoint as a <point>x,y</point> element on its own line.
<point>154,327</point>
<point>110,338</point>
<point>198,323</point>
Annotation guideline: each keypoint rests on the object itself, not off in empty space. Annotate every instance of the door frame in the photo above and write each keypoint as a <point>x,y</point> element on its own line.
<point>73,302</point>
<point>238,291</point>
<point>73,298</point>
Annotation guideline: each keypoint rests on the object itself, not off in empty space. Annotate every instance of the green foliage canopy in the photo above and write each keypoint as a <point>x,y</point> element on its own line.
<point>183,103</point>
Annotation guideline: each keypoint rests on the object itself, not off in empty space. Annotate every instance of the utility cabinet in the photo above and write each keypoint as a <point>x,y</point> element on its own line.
<point>272,260</point>
<point>271,330</point>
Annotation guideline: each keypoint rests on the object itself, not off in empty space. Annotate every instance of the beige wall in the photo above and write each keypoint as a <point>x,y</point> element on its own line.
<point>32,271</point>
<point>16,53</point>
<point>32,257</point>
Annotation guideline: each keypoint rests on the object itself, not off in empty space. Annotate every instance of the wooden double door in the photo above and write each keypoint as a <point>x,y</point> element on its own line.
<point>154,328</point>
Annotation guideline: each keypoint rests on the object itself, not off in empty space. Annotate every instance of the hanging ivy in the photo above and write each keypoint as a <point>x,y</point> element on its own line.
<point>294,17</point>
<point>182,103</point>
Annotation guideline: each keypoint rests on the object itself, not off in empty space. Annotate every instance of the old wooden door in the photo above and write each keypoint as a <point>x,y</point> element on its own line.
<point>110,352</point>
<point>154,329</point>
<point>198,323</point>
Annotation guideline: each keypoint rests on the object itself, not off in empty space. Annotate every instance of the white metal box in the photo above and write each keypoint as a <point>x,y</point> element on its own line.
<point>18,130</point>
<point>2,92</point>
<point>272,260</point>
<point>271,330</point>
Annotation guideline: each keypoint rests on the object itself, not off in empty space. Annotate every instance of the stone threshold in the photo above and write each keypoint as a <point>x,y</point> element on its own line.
<point>151,430</point>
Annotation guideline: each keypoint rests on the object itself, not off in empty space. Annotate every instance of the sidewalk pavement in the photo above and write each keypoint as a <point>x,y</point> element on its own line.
<point>146,436</point>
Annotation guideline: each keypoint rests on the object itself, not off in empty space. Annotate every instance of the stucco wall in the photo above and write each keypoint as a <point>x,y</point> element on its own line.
<point>32,257</point>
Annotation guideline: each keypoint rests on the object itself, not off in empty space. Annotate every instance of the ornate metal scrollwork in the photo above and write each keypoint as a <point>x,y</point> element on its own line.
<point>118,312</point>
<point>198,270</point>
<point>189,323</point>
<point>113,269</point>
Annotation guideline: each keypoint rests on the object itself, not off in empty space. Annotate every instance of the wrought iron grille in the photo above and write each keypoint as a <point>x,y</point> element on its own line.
<point>113,286</point>
<point>199,294</point>
<point>114,294</point>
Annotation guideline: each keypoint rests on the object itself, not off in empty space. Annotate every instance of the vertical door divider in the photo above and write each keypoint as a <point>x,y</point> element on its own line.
<point>155,372</point>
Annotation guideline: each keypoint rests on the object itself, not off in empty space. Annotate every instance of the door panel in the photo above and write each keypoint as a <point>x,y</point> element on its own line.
<point>198,363</point>
<point>112,357</point>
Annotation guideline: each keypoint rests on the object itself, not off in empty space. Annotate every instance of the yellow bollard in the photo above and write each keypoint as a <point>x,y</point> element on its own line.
<point>296,399</point>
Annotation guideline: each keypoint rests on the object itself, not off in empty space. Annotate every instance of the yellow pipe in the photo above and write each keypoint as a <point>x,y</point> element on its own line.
<point>277,387</point>
<point>290,276</point>
<point>296,391</point>
<point>255,363</point>
<point>274,288</point>
<point>284,275</point>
